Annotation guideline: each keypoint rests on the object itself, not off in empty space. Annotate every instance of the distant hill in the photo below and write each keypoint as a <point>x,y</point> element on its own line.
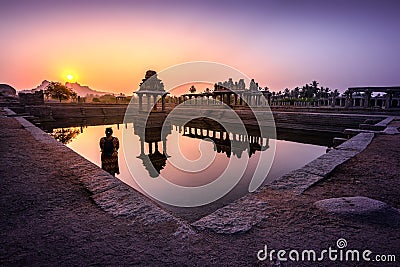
<point>81,90</point>
<point>42,86</point>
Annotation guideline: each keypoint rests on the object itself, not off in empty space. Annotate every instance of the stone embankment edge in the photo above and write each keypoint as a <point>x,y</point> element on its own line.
<point>241,215</point>
<point>107,191</point>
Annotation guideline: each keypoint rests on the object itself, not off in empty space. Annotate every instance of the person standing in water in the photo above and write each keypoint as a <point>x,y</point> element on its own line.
<point>109,146</point>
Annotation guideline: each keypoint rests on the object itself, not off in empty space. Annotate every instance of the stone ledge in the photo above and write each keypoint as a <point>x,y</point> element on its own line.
<point>124,201</point>
<point>296,181</point>
<point>391,130</point>
<point>326,163</point>
<point>385,122</point>
<point>238,217</point>
<point>300,180</point>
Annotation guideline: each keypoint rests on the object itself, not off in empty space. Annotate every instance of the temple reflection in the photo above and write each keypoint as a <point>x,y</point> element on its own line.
<point>228,142</point>
<point>152,134</point>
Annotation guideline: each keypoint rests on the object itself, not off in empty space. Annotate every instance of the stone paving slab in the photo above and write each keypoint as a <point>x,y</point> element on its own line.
<point>391,130</point>
<point>238,217</point>
<point>296,181</point>
<point>358,142</point>
<point>124,201</point>
<point>385,121</point>
<point>98,183</point>
<point>325,164</point>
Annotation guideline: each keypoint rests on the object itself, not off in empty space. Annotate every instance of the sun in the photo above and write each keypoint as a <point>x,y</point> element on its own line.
<point>70,77</point>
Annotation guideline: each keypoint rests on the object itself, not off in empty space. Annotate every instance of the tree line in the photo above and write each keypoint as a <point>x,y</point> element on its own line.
<point>307,91</point>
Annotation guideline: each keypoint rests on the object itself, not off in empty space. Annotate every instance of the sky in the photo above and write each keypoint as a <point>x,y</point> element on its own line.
<point>109,45</point>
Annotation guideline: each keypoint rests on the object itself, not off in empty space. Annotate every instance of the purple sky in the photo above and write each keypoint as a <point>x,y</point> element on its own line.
<point>110,44</point>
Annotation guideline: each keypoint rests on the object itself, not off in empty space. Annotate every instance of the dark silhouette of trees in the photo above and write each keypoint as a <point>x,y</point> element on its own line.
<point>65,135</point>
<point>308,92</point>
<point>58,91</point>
<point>74,96</point>
<point>286,93</point>
<point>296,92</point>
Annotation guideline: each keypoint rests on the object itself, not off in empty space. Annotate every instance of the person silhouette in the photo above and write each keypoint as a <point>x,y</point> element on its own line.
<point>109,146</point>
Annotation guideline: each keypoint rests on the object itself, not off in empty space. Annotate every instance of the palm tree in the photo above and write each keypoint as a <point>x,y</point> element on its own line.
<point>314,84</point>
<point>296,92</point>
<point>313,89</point>
<point>335,93</point>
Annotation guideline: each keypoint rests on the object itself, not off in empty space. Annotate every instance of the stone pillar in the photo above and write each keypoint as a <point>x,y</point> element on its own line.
<point>388,100</point>
<point>164,144</point>
<point>349,100</point>
<point>163,102</point>
<point>155,102</point>
<point>156,146</point>
<point>141,146</point>
<point>140,101</point>
<point>367,99</point>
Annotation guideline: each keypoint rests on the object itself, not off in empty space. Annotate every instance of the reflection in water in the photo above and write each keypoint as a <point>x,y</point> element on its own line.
<point>230,143</point>
<point>65,135</point>
<point>153,132</point>
<point>152,152</point>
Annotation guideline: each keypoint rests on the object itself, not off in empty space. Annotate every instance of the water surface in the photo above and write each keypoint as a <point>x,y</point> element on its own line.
<point>289,156</point>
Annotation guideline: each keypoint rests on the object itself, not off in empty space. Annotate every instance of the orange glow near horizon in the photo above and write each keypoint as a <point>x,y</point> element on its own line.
<point>69,75</point>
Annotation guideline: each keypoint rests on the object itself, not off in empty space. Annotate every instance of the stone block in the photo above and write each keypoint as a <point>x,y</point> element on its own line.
<point>124,201</point>
<point>238,217</point>
<point>296,181</point>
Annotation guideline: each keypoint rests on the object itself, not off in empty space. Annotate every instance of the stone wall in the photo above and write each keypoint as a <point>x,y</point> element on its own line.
<point>312,121</point>
<point>31,98</point>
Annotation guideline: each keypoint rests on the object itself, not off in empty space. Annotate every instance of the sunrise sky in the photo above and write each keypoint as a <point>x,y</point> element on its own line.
<point>109,45</point>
